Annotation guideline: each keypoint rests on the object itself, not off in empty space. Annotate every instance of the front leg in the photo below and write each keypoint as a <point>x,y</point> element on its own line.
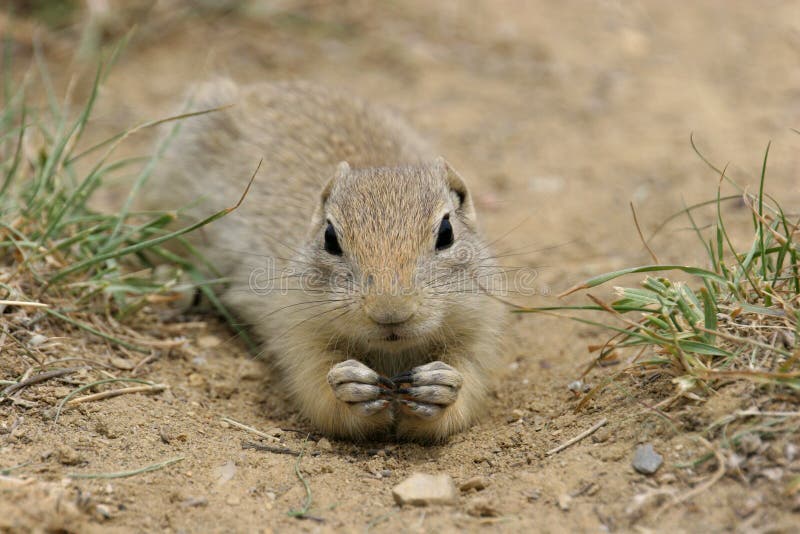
<point>347,400</point>
<point>437,400</point>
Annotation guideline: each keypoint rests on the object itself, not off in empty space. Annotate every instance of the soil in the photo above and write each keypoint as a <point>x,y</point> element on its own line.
<point>559,114</point>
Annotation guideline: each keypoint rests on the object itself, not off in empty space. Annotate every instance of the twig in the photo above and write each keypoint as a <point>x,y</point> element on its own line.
<point>246,428</point>
<point>41,377</point>
<point>91,385</point>
<point>123,474</point>
<point>76,359</point>
<point>155,388</point>
<point>184,326</point>
<point>269,448</point>
<point>23,303</point>
<point>144,361</point>
<point>755,412</point>
<point>579,437</point>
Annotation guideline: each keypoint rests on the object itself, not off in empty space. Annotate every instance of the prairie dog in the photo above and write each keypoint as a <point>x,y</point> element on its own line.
<point>355,256</point>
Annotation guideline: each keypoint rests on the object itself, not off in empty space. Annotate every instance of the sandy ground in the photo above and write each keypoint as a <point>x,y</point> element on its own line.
<point>559,115</point>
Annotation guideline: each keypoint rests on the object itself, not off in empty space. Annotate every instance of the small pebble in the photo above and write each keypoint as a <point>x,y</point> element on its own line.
<point>477,483</point>
<point>324,445</point>
<point>790,451</point>
<point>225,472</point>
<point>36,340</point>
<point>482,507</point>
<point>194,502</point>
<point>775,474</point>
<point>750,443</point>
<point>749,506</point>
<point>576,386</point>
<point>532,495</point>
<point>196,380</point>
<point>122,363</point>
<point>646,460</point>
<point>667,478</point>
<point>564,501</point>
<point>208,342</point>
<point>68,456</point>
<point>422,489</point>
<point>601,436</point>
<point>103,511</point>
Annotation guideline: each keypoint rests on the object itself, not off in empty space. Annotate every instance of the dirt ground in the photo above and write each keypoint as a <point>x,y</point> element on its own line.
<point>558,114</point>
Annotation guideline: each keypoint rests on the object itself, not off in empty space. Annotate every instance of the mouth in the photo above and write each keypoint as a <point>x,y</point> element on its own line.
<point>393,334</point>
<point>399,336</point>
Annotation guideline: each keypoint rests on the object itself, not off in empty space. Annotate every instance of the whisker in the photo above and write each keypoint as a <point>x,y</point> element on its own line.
<point>309,319</point>
<point>308,306</point>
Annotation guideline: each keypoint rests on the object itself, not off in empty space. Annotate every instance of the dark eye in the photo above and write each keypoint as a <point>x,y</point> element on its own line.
<point>331,241</point>
<point>445,237</point>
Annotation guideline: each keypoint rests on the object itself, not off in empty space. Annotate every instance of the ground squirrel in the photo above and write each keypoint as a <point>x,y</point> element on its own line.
<point>355,255</point>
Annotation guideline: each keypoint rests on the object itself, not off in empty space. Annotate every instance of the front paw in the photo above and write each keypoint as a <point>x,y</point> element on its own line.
<point>427,390</point>
<point>362,389</point>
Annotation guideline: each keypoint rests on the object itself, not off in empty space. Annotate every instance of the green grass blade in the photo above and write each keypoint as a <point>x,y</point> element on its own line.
<point>603,278</point>
<point>85,264</point>
<point>760,230</point>
<point>709,313</point>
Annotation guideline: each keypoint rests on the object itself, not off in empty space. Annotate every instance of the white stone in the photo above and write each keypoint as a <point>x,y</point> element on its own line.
<point>421,489</point>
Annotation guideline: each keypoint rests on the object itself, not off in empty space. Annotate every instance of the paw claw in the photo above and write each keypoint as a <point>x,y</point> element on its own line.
<point>423,411</point>
<point>365,409</point>
<point>431,388</point>
<point>364,390</point>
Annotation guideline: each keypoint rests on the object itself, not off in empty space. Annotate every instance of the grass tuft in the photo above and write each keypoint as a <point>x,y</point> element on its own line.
<point>75,280</point>
<point>55,250</point>
<point>736,324</point>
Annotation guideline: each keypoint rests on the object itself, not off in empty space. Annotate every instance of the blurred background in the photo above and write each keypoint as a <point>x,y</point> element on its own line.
<point>558,113</point>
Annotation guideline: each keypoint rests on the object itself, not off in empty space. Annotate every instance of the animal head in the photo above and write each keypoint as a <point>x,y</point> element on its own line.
<point>398,249</point>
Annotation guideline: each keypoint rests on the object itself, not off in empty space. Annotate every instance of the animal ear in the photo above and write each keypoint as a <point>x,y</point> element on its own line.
<point>457,187</point>
<point>342,170</point>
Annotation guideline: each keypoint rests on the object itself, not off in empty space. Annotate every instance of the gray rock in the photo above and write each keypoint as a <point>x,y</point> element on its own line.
<point>421,489</point>
<point>646,460</point>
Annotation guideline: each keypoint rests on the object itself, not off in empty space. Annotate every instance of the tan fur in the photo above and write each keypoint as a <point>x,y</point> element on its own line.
<point>386,203</point>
